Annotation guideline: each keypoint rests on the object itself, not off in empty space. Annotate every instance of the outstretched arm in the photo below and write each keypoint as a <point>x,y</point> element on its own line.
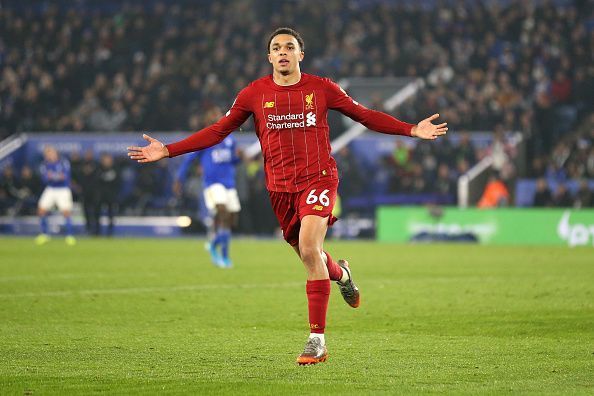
<point>202,139</point>
<point>207,137</point>
<point>378,121</point>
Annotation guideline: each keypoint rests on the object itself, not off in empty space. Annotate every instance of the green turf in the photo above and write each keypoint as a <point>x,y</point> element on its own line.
<point>153,316</point>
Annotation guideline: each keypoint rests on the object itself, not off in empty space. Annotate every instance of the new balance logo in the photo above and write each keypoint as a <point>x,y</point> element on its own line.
<point>318,207</point>
<point>268,105</point>
<point>310,119</point>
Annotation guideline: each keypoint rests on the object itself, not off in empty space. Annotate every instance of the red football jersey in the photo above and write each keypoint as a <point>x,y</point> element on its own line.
<point>292,126</point>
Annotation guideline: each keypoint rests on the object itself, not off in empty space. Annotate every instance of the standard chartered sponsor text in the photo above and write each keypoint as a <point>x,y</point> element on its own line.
<point>273,121</point>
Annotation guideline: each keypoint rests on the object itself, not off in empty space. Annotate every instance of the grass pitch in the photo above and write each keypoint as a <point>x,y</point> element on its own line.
<point>132,316</point>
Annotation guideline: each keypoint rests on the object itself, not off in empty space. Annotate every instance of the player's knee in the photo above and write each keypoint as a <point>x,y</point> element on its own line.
<point>224,215</point>
<point>310,255</point>
<point>221,210</point>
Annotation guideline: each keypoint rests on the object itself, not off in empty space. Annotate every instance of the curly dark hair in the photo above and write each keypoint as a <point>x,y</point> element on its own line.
<point>286,30</point>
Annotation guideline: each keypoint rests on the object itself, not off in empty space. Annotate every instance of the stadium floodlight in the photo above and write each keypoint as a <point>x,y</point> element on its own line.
<point>183,221</point>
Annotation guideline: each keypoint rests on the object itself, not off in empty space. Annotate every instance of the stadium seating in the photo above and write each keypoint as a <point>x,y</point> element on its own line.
<point>488,66</point>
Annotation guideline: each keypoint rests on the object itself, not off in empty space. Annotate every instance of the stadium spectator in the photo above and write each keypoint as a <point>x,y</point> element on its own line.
<point>150,191</point>
<point>401,155</point>
<point>501,151</point>
<point>583,197</point>
<point>258,206</point>
<point>28,187</point>
<point>561,88</point>
<point>4,199</point>
<point>495,194</point>
<point>542,196</point>
<point>18,194</point>
<point>590,162</point>
<point>107,188</point>
<point>465,149</point>
<point>445,184</point>
<point>8,190</point>
<point>85,177</point>
<point>350,170</point>
<point>562,197</point>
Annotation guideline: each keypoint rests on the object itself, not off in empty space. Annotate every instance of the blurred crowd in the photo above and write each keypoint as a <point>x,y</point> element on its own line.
<point>423,170</point>
<point>562,196</point>
<point>571,162</point>
<point>96,184</point>
<point>490,66</point>
<point>106,186</point>
<point>528,67</point>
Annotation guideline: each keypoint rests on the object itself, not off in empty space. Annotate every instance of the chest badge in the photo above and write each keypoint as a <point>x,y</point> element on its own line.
<point>309,101</point>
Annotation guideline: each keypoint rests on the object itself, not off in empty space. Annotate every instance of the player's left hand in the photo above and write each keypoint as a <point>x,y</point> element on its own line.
<point>427,130</point>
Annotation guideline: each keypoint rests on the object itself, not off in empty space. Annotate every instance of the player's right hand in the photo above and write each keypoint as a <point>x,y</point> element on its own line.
<point>153,152</point>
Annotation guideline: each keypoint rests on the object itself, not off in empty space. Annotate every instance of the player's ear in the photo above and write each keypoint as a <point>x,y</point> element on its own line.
<point>301,55</point>
<point>269,58</point>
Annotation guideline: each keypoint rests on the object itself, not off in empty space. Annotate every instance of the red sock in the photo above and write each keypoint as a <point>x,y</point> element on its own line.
<point>318,293</point>
<point>334,269</point>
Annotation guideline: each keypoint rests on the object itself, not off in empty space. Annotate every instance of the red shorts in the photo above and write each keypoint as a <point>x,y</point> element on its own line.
<point>317,199</point>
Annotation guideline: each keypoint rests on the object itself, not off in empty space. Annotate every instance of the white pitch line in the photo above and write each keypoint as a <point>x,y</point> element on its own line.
<point>73,275</point>
<point>17,278</point>
<point>140,290</point>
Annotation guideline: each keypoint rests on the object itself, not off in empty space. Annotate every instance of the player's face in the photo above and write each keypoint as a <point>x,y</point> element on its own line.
<point>285,54</point>
<point>51,155</point>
